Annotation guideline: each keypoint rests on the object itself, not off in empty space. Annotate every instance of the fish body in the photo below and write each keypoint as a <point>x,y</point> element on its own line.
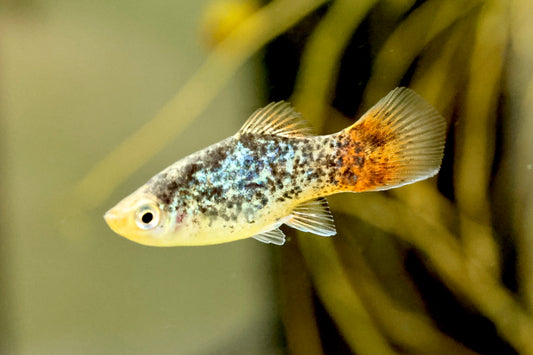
<point>274,172</point>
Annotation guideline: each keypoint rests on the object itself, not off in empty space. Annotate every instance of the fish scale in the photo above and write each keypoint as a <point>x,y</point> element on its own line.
<point>255,172</point>
<point>274,171</point>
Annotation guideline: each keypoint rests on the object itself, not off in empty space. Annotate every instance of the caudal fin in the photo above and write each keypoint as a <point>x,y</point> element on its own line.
<point>397,142</point>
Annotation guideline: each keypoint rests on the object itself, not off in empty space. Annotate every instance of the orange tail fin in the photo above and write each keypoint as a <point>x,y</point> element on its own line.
<point>397,142</point>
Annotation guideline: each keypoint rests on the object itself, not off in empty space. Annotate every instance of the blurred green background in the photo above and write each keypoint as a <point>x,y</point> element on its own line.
<point>76,79</point>
<point>98,96</point>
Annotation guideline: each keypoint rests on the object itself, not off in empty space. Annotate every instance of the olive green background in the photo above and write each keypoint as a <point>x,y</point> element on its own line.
<point>440,266</point>
<point>76,78</point>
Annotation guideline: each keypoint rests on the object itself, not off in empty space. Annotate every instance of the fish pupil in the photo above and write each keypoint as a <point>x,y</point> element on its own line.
<point>147,217</point>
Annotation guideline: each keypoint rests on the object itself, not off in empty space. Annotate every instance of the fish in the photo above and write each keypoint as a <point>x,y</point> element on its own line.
<point>275,171</point>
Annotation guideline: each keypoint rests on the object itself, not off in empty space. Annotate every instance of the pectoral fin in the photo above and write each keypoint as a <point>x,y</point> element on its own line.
<point>314,217</point>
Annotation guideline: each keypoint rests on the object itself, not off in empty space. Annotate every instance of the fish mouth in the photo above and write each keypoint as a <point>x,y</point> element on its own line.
<point>114,221</point>
<point>119,225</point>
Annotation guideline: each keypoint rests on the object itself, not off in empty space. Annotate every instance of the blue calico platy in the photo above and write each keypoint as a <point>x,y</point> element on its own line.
<point>274,172</point>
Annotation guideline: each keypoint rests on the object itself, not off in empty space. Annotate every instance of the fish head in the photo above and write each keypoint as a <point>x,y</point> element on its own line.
<point>143,219</point>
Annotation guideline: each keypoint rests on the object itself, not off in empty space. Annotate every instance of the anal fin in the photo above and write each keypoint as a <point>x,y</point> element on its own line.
<point>314,217</point>
<point>273,236</point>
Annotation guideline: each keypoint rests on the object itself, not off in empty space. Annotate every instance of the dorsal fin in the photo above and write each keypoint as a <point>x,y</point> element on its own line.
<point>274,236</point>
<point>279,119</point>
<point>314,217</point>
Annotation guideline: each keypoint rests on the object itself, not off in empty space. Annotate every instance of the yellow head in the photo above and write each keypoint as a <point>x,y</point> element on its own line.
<point>140,218</point>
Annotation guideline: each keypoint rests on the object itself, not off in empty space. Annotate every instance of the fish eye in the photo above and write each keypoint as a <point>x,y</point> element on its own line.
<point>147,217</point>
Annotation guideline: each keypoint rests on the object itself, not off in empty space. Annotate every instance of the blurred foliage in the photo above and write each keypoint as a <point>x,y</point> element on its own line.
<point>422,269</point>
<point>220,18</point>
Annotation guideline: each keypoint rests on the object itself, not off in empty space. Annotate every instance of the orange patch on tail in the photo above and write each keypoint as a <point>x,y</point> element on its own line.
<point>398,141</point>
<point>370,159</point>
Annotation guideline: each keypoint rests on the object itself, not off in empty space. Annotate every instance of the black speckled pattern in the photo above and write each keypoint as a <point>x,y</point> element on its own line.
<point>242,177</point>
